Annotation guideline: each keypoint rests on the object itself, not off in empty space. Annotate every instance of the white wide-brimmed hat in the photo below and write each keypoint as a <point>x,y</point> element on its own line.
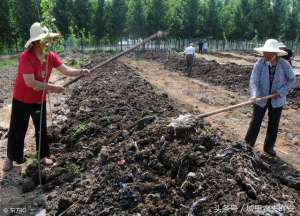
<point>271,45</point>
<point>281,45</point>
<point>38,32</point>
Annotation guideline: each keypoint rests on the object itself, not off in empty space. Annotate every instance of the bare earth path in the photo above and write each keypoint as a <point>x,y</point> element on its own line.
<point>195,95</point>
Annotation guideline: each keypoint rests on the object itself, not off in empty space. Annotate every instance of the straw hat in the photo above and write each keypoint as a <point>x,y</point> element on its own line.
<point>38,32</point>
<point>281,45</point>
<point>271,45</point>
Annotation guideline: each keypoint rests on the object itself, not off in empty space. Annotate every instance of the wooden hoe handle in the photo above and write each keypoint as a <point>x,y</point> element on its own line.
<point>234,106</point>
<point>158,34</point>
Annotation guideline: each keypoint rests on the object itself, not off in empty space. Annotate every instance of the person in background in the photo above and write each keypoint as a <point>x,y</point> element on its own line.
<point>270,75</point>
<point>200,46</point>
<point>289,56</point>
<point>189,52</point>
<point>205,47</point>
<point>29,95</point>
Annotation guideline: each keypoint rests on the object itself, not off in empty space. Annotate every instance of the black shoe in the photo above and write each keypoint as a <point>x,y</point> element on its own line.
<point>270,152</point>
<point>22,161</point>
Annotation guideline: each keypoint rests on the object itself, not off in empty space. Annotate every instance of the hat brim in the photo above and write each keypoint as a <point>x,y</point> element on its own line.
<point>40,37</point>
<point>279,52</point>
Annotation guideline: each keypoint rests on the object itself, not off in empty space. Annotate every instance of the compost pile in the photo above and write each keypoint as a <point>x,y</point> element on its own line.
<point>152,167</point>
<point>232,76</point>
<point>233,56</point>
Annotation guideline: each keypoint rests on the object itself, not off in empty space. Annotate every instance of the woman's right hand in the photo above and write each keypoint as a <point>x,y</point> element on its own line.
<point>253,100</point>
<point>57,89</point>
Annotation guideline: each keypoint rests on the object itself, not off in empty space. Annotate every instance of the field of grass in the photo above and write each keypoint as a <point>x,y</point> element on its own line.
<point>4,64</point>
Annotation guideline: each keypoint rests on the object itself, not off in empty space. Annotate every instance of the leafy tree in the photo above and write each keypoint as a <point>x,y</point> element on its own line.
<point>82,17</point>
<point>13,31</point>
<point>156,15</point>
<point>191,8</point>
<point>4,22</point>
<point>175,18</point>
<point>136,18</point>
<point>108,19</point>
<point>99,20</point>
<point>118,18</point>
<point>47,11</point>
<point>27,12</point>
<point>243,28</point>
<point>278,17</point>
<point>212,26</point>
<point>114,19</point>
<point>227,19</point>
<point>291,30</point>
<point>63,16</point>
<point>261,20</point>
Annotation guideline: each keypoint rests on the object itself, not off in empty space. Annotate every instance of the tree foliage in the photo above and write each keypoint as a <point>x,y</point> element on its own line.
<point>99,20</point>
<point>136,19</point>
<point>4,22</point>
<point>81,12</point>
<point>114,19</point>
<point>155,16</point>
<point>63,16</point>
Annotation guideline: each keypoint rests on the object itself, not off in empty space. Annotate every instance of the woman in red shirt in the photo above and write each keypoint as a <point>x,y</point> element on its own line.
<point>29,95</point>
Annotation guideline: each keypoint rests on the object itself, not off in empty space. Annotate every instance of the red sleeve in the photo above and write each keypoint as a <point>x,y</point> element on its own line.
<point>55,60</point>
<point>25,64</point>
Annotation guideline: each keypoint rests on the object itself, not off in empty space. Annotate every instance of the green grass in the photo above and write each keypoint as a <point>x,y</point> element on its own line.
<point>81,129</point>
<point>33,160</point>
<point>4,64</point>
<point>73,168</point>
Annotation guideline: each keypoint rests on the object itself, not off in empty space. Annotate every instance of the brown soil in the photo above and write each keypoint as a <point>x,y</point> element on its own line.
<point>152,168</point>
<point>225,84</point>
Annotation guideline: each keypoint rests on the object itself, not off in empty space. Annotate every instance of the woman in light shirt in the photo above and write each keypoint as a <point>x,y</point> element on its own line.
<point>270,75</point>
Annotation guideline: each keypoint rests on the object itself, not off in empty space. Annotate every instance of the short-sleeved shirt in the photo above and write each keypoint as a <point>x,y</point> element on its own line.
<point>30,64</point>
<point>190,50</point>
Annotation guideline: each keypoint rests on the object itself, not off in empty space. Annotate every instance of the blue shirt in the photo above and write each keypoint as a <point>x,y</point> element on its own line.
<point>283,82</point>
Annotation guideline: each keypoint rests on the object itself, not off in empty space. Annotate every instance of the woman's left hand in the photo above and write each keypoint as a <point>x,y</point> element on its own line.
<point>277,95</point>
<point>85,72</point>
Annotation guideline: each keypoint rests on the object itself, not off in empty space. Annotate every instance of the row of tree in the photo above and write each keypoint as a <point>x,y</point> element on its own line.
<point>114,19</point>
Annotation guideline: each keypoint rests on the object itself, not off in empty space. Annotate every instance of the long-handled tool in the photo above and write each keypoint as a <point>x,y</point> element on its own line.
<point>156,35</point>
<point>235,106</point>
<point>184,120</point>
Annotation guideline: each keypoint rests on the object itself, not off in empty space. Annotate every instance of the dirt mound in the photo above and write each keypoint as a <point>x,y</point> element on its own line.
<point>150,168</point>
<point>233,56</point>
<point>294,97</point>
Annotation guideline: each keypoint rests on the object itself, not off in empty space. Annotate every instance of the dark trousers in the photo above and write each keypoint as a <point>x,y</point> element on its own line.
<point>274,115</point>
<point>200,49</point>
<point>189,63</point>
<point>20,114</point>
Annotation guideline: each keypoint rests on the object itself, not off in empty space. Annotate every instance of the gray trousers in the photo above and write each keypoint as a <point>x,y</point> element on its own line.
<point>189,63</point>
